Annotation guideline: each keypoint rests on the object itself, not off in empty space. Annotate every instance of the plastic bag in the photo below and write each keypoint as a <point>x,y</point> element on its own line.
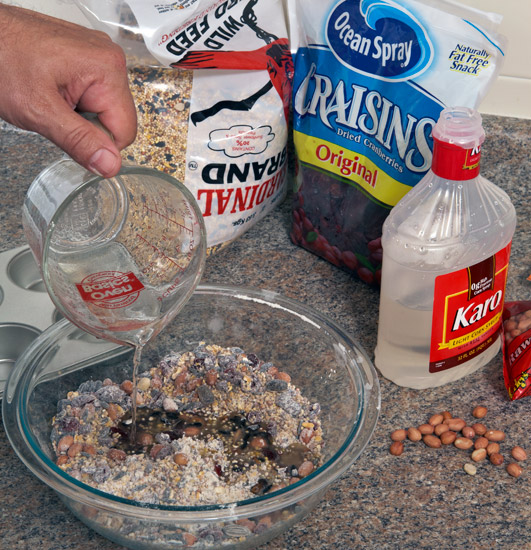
<point>212,85</point>
<point>516,346</point>
<point>371,77</point>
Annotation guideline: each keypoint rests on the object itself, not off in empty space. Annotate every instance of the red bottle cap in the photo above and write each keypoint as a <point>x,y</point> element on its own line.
<point>453,162</point>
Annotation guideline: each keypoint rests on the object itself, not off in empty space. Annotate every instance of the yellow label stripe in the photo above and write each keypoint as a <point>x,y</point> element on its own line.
<point>351,166</point>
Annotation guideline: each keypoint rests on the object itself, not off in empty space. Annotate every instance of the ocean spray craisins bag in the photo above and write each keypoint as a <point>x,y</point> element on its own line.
<point>371,77</point>
<point>211,81</point>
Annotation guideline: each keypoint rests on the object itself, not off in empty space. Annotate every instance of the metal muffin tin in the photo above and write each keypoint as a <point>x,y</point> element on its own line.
<point>26,311</point>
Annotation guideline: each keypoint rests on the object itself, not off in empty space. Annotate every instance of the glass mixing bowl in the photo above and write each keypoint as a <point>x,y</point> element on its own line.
<point>322,360</point>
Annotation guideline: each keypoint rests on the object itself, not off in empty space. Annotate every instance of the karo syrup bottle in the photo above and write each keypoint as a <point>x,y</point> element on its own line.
<point>446,251</point>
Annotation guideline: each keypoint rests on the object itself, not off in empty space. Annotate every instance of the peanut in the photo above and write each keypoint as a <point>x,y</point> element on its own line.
<point>478,455</point>
<point>481,443</point>
<point>117,454</point>
<point>396,448</point>
<point>468,432</point>
<point>181,459</point>
<point>426,429</point>
<point>495,435</point>
<point>446,415</point>
<point>75,449</point>
<point>211,377</point>
<point>470,469</point>
<point>496,459</point>
<point>493,448</point>
<point>431,441</point>
<point>143,384</point>
<point>64,443</point>
<point>414,434</point>
<point>447,438</point>
<point>518,453</point>
<point>514,469</point>
<point>62,459</point>
<point>436,419</point>
<point>440,429</point>
<point>283,376</point>
<point>455,424</point>
<point>89,449</point>
<point>306,468</point>
<point>463,443</point>
<point>127,387</point>
<point>479,428</point>
<point>398,435</point>
<point>479,412</point>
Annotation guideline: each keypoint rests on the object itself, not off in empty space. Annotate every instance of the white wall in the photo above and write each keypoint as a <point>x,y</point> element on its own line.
<point>510,94</point>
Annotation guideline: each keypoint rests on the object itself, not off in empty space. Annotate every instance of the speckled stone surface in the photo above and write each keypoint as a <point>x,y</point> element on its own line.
<point>421,500</point>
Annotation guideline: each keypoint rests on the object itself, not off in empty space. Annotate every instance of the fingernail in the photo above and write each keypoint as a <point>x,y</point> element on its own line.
<point>103,162</point>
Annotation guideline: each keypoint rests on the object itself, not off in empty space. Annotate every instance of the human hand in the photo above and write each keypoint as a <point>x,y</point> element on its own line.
<point>52,68</point>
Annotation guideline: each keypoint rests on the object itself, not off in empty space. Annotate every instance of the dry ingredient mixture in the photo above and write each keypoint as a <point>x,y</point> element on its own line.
<point>162,98</point>
<point>443,429</point>
<point>215,425</point>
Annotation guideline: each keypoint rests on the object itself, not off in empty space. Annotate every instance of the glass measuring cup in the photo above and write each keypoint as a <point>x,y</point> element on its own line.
<point>119,256</point>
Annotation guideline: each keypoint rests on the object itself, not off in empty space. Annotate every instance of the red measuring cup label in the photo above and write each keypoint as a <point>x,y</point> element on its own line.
<point>110,289</point>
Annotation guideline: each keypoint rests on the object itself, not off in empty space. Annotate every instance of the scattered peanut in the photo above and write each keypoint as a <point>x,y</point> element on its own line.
<point>493,448</point>
<point>463,443</point>
<point>496,459</point>
<point>468,432</point>
<point>478,455</point>
<point>495,435</point>
<point>436,419</point>
<point>479,412</point>
<point>445,429</point>
<point>518,453</point>
<point>514,469</point>
<point>398,435</point>
<point>426,429</point>
<point>455,424</point>
<point>479,428</point>
<point>440,429</point>
<point>447,438</point>
<point>396,448</point>
<point>432,441</point>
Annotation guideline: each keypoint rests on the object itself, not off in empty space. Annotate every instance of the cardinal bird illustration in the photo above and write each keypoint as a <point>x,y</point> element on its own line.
<point>275,57</point>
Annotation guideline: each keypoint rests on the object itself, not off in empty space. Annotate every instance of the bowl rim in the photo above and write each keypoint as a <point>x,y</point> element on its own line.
<point>22,380</point>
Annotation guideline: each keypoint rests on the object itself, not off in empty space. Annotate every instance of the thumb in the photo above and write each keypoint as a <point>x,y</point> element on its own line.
<point>88,144</point>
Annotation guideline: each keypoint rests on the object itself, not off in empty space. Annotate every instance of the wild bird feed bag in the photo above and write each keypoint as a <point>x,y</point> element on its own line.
<point>212,85</point>
<point>371,77</point>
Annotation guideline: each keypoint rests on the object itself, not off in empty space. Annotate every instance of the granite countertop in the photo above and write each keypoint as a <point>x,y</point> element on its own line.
<point>421,500</point>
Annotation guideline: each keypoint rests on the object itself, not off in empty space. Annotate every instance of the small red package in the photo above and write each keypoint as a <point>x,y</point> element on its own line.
<point>516,346</point>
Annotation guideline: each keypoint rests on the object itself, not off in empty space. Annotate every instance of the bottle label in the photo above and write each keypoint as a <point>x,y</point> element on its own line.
<point>467,311</point>
<point>453,162</point>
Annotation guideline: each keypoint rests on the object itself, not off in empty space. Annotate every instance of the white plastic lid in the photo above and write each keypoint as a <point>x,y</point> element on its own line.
<point>461,126</point>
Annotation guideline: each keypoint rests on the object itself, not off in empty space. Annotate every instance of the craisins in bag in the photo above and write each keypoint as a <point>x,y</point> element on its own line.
<point>516,345</point>
<point>340,223</point>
